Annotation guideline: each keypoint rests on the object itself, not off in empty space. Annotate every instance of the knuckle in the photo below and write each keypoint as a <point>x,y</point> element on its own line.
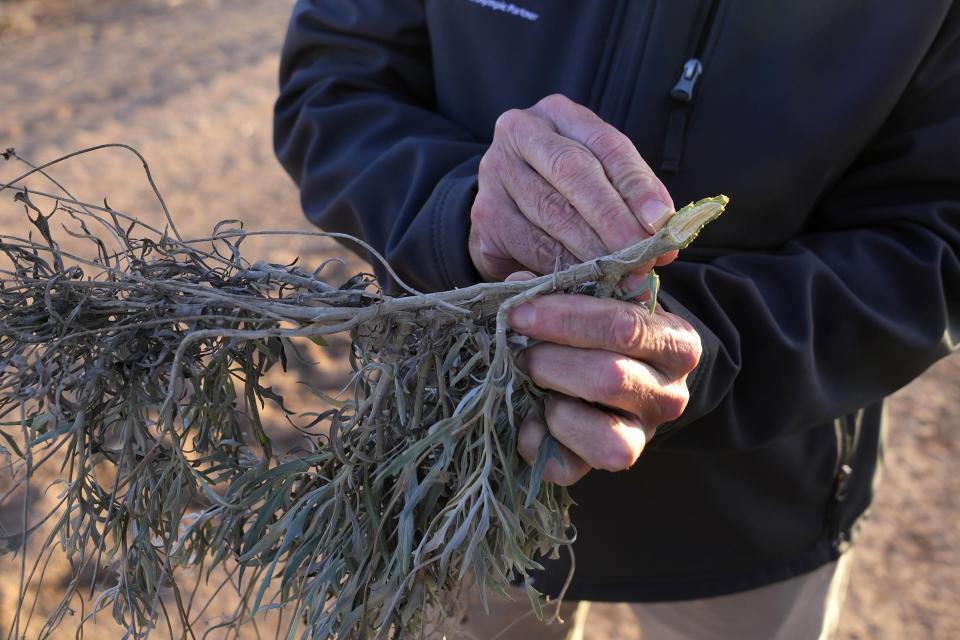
<point>481,212</point>
<point>613,382</point>
<point>569,162</point>
<point>636,184</point>
<point>488,166</point>
<point>681,356</point>
<point>678,323</point>
<point>673,402</point>
<point>619,456</point>
<point>691,353</point>
<point>484,255</point>
<point>508,121</point>
<point>625,330</point>
<point>555,101</point>
<point>609,143</point>
<point>685,346</point>
<point>475,237</point>
<point>696,347</point>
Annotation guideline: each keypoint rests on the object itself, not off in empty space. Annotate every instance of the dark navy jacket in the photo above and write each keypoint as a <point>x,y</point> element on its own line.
<point>832,281</point>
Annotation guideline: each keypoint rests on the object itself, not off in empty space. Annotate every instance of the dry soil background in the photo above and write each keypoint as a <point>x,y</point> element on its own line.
<point>190,83</point>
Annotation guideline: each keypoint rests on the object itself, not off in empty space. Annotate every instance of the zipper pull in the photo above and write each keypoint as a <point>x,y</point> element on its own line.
<point>843,477</point>
<point>683,90</point>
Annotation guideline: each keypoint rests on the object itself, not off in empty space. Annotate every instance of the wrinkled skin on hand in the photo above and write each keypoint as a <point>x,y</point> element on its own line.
<point>558,184</point>
<point>617,372</point>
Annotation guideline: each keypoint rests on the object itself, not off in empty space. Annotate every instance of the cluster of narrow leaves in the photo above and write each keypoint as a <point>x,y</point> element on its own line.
<point>140,370</point>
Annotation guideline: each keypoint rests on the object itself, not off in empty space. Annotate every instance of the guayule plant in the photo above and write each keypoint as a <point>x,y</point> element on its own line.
<point>139,370</point>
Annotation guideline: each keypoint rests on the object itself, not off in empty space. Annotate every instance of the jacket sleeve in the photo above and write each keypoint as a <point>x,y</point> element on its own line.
<point>355,127</point>
<point>849,312</point>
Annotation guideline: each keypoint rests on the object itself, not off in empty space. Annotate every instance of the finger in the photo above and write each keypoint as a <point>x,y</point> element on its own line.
<point>610,379</point>
<point>548,209</point>
<point>636,279</point>
<point>643,298</point>
<point>667,258</point>
<point>520,276</point>
<point>573,171</point>
<point>644,193</point>
<point>603,440</point>
<point>661,339</point>
<point>565,471</point>
<point>503,241</point>
<point>489,257</point>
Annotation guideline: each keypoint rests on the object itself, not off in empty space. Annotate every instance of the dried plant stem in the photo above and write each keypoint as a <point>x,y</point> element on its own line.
<point>148,360</point>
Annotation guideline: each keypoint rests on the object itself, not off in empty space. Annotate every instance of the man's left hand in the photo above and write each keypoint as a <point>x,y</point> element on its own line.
<point>618,371</point>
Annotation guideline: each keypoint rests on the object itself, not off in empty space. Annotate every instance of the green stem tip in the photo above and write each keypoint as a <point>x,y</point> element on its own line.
<point>686,223</point>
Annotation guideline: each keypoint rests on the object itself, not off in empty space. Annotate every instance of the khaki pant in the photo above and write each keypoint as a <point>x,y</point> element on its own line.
<point>806,607</point>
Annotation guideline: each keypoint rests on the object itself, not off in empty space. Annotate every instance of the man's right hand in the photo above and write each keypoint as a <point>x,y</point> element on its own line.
<point>560,183</point>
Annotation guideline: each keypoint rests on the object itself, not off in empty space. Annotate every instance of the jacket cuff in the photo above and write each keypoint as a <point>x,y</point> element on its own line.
<point>709,347</point>
<point>450,225</point>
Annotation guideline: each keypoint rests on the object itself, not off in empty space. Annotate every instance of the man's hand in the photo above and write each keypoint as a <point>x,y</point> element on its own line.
<point>618,372</point>
<point>559,182</point>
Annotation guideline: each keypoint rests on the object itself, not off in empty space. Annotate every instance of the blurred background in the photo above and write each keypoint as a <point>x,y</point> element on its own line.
<point>190,83</point>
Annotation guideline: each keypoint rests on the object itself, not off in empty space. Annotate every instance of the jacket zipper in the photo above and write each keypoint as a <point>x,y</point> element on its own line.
<point>683,93</point>
<point>847,430</point>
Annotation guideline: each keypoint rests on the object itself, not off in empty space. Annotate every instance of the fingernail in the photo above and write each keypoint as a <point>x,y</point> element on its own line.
<point>522,317</point>
<point>518,276</point>
<point>653,215</point>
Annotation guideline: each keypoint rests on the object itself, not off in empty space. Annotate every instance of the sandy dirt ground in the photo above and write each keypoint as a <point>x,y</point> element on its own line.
<point>191,82</point>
